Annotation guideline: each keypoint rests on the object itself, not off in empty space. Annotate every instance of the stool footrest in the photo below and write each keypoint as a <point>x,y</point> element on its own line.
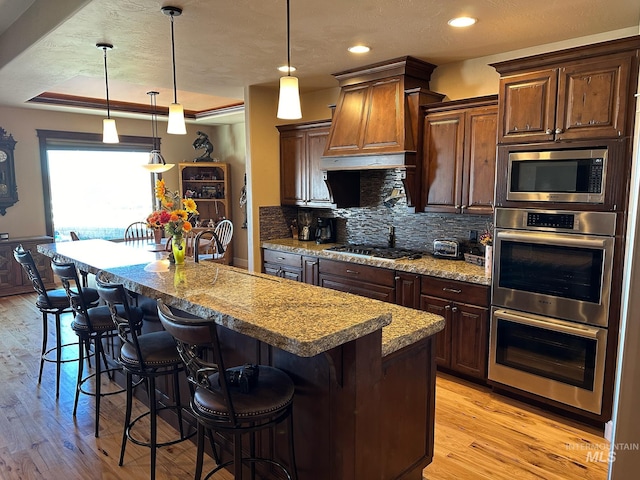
<point>142,443</point>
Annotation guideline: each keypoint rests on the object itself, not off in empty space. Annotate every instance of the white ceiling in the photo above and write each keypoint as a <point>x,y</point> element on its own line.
<point>223,46</point>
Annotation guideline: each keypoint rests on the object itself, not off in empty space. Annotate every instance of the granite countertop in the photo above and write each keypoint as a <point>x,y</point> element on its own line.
<point>427,265</point>
<point>302,319</point>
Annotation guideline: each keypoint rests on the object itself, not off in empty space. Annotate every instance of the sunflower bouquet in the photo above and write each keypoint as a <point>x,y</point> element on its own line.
<point>175,213</point>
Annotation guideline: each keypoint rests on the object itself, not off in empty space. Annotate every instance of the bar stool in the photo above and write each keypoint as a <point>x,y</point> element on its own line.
<point>91,324</point>
<point>50,302</point>
<point>231,403</point>
<point>148,356</point>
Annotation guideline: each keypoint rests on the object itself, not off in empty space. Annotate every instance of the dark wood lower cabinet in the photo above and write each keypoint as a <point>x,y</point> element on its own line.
<point>462,345</point>
<point>13,280</point>
<point>363,280</point>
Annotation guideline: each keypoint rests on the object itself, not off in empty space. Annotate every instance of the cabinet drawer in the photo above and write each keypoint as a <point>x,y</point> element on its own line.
<point>362,273</point>
<point>457,291</point>
<point>282,258</point>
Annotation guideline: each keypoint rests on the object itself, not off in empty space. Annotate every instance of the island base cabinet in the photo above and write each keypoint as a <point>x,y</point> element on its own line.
<point>356,415</point>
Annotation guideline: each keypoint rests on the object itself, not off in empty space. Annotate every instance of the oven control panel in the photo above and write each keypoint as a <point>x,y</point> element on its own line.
<point>553,220</point>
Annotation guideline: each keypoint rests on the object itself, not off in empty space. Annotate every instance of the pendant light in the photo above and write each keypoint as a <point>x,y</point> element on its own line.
<point>109,131</point>
<point>289,100</point>
<point>176,112</point>
<point>156,160</point>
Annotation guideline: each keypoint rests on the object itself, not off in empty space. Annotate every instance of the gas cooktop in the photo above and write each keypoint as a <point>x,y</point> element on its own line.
<point>389,253</point>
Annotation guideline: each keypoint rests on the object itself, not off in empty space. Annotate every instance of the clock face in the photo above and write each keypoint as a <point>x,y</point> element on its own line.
<point>3,156</point>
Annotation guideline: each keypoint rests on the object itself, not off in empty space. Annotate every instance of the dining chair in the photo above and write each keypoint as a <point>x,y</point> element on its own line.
<point>138,231</point>
<point>214,247</point>
<point>258,399</point>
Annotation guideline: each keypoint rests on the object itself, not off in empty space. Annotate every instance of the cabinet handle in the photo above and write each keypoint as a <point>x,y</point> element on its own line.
<point>548,131</point>
<point>457,206</point>
<point>448,307</point>
<point>454,309</point>
<point>397,278</point>
<point>462,207</point>
<point>280,258</point>
<point>312,263</point>
<point>353,271</point>
<point>558,130</point>
<point>451,290</point>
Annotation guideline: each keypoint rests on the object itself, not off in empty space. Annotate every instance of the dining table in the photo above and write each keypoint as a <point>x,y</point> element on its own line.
<point>364,369</point>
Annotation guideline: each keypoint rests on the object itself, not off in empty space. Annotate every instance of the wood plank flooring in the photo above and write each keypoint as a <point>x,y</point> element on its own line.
<point>479,435</point>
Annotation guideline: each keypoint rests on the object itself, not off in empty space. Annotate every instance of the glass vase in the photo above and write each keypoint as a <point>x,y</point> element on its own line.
<point>157,236</point>
<point>179,249</point>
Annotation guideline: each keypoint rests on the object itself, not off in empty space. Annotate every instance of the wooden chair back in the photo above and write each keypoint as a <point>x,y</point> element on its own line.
<point>138,231</point>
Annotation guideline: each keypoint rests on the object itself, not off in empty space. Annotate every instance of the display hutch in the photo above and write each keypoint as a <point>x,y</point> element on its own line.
<point>208,184</point>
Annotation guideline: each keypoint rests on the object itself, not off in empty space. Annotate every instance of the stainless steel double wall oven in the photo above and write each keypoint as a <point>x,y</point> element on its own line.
<point>550,296</point>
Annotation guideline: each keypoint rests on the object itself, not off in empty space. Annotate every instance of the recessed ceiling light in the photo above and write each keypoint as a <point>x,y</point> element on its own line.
<point>285,69</point>
<point>462,21</point>
<point>359,49</point>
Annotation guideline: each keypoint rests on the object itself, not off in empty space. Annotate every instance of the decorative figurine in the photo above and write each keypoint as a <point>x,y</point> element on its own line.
<point>203,142</point>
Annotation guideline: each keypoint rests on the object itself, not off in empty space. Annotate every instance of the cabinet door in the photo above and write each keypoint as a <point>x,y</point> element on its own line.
<point>443,338</point>
<point>408,289</point>
<point>310,270</point>
<point>480,160</point>
<point>527,107</point>
<point>442,162</point>
<point>10,271</point>
<point>469,339</point>
<point>592,99</point>
<point>292,168</point>
<point>318,193</point>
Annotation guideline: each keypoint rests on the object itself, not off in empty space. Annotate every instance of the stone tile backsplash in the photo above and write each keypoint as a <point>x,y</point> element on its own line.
<point>370,224</point>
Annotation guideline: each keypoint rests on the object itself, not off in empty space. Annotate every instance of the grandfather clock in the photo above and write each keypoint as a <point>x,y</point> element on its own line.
<point>8,187</point>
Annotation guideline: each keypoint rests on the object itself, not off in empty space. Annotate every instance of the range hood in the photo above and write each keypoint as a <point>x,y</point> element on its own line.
<point>375,125</point>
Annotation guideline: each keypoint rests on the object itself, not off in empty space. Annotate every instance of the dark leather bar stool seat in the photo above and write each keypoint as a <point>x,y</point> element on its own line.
<point>92,324</point>
<point>50,302</point>
<point>147,356</point>
<point>221,406</point>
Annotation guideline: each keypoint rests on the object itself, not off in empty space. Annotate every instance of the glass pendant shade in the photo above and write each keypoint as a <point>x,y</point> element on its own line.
<point>289,100</point>
<point>176,124</point>
<point>156,163</point>
<point>156,160</point>
<point>109,131</point>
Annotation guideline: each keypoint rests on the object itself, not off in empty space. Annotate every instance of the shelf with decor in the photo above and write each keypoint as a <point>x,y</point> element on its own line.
<point>208,183</point>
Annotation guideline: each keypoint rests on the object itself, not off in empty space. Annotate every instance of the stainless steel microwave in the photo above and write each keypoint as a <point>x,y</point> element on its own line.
<point>572,176</point>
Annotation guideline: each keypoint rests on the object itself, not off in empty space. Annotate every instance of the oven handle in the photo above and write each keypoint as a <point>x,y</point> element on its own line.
<point>577,330</point>
<point>554,239</point>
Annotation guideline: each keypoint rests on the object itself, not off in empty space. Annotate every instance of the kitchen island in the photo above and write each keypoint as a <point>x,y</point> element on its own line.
<point>363,369</point>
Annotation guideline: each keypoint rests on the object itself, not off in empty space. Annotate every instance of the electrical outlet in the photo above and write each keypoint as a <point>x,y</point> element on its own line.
<point>473,235</point>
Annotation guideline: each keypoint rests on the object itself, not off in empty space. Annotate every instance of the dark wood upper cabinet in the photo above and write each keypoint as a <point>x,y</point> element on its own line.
<point>574,94</point>
<point>301,180</point>
<point>458,156</point>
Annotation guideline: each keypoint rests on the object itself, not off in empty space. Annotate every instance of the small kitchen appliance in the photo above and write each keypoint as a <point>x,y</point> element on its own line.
<point>305,228</point>
<point>326,230</point>
<point>447,248</point>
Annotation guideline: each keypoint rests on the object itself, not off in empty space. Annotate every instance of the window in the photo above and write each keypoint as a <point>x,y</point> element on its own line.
<point>92,188</point>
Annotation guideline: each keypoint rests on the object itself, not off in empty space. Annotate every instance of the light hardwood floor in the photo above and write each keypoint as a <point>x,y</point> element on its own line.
<point>479,435</point>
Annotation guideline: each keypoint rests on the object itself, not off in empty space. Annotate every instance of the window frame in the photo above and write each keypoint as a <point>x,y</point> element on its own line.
<point>61,140</point>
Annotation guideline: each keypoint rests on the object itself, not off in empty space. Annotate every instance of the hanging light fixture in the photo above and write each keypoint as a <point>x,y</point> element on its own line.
<point>156,160</point>
<point>109,131</point>
<point>289,100</point>
<point>176,112</point>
